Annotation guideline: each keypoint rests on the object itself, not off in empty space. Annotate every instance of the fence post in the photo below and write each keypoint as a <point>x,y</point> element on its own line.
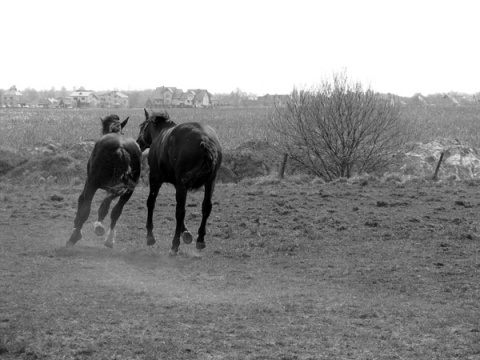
<point>281,172</point>
<point>438,167</point>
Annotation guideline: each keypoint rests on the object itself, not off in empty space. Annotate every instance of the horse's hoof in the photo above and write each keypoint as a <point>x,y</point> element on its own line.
<point>108,244</point>
<point>187,237</point>
<point>150,240</point>
<point>98,228</point>
<point>200,245</point>
<point>76,235</point>
<point>173,252</point>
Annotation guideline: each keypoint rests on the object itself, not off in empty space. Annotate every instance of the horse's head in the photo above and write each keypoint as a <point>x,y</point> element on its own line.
<point>112,124</point>
<point>153,125</point>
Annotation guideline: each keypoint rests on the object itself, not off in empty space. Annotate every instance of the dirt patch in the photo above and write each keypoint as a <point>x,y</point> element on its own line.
<point>292,270</point>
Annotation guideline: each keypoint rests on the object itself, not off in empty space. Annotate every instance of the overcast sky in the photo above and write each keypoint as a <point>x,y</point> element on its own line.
<point>401,47</point>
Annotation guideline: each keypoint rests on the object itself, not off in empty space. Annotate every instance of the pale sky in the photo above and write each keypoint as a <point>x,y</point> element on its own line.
<point>259,46</point>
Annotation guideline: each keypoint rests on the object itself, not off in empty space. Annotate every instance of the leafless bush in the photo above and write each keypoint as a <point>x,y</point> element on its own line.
<point>339,129</point>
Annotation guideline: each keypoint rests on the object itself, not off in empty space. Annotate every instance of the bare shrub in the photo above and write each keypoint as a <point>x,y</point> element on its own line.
<point>339,129</point>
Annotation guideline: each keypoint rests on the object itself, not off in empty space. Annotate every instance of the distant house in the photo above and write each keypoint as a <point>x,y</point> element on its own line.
<point>65,102</point>
<point>391,99</point>
<point>269,100</point>
<point>450,100</point>
<point>202,98</point>
<point>189,98</point>
<point>171,96</point>
<point>12,97</point>
<point>48,103</point>
<point>113,99</point>
<point>84,98</point>
<point>418,100</point>
<point>442,99</point>
<point>163,96</point>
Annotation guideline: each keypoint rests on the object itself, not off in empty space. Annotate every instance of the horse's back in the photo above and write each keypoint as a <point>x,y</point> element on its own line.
<point>111,143</point>
<point>113,154</point>
<point>193,131</point>
<point>189,153</point>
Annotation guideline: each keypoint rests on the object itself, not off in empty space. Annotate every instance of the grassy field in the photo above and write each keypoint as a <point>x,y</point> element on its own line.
<point>433,122</point>
<point>294,269</point>
<point>27,127</point>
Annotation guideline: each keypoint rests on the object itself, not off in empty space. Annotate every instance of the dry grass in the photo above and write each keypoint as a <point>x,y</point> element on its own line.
<point>434,122</point>
<point>235,126</point>
<point>27,127</point>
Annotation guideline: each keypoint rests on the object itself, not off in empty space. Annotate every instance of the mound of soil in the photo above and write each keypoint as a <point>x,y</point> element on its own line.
<point>256,158</point>
<point>459,161</point>
<point>55,162</point>
<point>59,168</point>
<point>252,159</point>
<point>9,160</point>
<point>249,160</point>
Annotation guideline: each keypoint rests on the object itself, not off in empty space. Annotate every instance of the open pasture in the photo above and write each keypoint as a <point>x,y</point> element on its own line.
<point>293,269</point>
<point>234,126</point>
<point>434,122</point>
<point>26,127</point>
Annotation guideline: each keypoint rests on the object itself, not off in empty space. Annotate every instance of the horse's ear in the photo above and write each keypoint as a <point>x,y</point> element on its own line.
<point>146,113</point>
<point>102,119</point>
<point>123,123</point>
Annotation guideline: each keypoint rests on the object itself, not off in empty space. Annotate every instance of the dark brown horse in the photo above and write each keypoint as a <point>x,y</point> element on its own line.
<point>187,156</point>
<point>114,166</point>
<point>112,124</point>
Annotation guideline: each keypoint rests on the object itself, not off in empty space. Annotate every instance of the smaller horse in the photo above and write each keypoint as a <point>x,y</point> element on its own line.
<point>187,156</point>
<point>114,166</point>
<point>112,124</point>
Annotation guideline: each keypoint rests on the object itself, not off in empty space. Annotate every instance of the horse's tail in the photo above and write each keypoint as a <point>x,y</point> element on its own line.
<point>207,167</point>
<point>123,179</point>
<point>211,155</point>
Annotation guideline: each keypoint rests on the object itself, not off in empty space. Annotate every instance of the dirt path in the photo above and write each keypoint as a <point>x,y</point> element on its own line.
<point>291,271</point>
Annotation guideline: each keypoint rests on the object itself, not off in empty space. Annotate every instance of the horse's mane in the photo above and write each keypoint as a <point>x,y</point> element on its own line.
<point>107,121</point>
<point>143,125</point>
<point>161,115</point>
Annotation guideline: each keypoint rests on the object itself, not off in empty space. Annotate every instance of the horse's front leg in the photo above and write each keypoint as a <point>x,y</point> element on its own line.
<point>152,197</point>
<point>181,198</point>
<point>206,210</point>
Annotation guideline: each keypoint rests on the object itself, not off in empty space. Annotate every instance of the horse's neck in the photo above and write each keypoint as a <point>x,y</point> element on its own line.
<point>165,131</point>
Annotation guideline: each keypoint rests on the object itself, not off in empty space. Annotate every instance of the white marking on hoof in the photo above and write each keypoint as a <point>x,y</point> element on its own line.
<point>110,239</point>
<point>98,228</point>
<point>187,237</point>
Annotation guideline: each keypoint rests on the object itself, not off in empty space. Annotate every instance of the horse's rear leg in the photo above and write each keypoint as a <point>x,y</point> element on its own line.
<point>181,198</point>
<point>186,235</point>
<point>114,216</point>
<point>102,213</point>
<point>152,197</point>
<point>83,211</point>
<point>206,210</point>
